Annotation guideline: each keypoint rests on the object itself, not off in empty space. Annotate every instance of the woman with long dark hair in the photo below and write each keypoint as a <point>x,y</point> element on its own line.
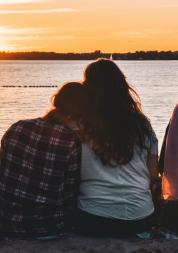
<point>119,156</point>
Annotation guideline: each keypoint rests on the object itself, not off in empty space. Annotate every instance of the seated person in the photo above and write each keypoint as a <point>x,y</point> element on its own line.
<point>169,167</point>
<point>119,157</point>
<point>39,171</point>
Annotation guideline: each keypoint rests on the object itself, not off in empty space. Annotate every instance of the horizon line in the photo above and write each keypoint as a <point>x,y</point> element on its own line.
<point>88,52</point>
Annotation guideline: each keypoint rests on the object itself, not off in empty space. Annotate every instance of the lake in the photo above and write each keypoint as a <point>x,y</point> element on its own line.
<point>155,81</point>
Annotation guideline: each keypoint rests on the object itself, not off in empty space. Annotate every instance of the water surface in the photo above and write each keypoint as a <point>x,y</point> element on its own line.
<point>155,81</point>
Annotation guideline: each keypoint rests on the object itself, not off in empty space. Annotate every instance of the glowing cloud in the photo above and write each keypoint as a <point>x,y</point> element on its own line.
<point>7,2</point>
<point>38,11</point>
<point>11,30</point>
<point>13,36</point>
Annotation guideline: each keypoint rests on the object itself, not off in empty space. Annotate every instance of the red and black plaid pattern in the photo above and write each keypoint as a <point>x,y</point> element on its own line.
<point>39,177</point>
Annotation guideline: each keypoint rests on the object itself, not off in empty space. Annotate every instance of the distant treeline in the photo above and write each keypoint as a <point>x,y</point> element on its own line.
<point>138,55</point>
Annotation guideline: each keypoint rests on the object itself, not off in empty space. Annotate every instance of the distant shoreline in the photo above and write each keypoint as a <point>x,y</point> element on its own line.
<point>138,55</point>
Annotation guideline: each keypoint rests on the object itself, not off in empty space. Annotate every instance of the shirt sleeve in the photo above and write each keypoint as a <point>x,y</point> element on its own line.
<point>3,144</point>
<point>7,135</point>
<point>153,143</point>
<point>72,178</point>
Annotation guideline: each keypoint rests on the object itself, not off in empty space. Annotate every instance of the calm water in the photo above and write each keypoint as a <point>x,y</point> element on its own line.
<point>155,81</point>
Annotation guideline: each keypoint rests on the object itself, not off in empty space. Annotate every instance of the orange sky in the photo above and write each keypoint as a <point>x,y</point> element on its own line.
<point>88,25</point>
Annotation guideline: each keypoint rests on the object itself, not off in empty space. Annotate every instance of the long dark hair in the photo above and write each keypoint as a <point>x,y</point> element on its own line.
<point>116,122</point>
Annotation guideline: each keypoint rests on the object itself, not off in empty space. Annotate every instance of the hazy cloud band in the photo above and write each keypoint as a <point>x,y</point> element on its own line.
<point>38,11</point>
<point>7,2</point>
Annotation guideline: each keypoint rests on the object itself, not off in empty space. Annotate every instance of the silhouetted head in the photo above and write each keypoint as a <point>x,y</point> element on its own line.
<point>68,103</point>
<point>107,84</point>
<point>103,72</point>
<point>116,120</point>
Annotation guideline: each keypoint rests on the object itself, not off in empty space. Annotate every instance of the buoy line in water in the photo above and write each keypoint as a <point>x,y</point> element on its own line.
<point>29,86</point>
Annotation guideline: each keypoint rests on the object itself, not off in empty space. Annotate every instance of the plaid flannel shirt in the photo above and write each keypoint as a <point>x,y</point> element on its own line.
<point>39,177</point>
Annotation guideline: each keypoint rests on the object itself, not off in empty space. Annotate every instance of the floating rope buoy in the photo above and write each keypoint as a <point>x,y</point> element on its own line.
<point>29,86</point>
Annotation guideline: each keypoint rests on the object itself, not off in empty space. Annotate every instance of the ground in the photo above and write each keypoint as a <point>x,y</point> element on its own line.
<point>78,244</point>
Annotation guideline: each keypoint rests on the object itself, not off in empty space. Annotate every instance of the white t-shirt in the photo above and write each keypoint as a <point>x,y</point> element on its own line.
<point>121,192</point>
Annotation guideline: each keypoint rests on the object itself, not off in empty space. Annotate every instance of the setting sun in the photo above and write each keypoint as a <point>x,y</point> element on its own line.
<point>4,46</point>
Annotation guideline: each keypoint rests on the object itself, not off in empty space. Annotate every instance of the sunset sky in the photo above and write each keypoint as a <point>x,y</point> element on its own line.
<point>88,25</point>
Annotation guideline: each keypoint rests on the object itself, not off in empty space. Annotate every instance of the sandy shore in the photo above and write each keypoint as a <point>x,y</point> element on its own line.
<point>78,244</point>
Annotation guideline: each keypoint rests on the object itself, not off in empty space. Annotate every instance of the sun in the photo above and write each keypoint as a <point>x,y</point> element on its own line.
<point>4,45</point>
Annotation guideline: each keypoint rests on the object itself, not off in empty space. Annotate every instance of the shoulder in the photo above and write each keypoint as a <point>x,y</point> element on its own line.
<point>152,141</point>
<point>15,128</point>
<point>174,117</point>
<point>19,125</point>
<point>175,111</point>
<point>151,132</point>
<point>70,135</point>
<point>65,134</point>
<point>16,125</point>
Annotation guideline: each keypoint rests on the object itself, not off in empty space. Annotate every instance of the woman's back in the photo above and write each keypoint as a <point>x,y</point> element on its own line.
<point>122,191</point>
